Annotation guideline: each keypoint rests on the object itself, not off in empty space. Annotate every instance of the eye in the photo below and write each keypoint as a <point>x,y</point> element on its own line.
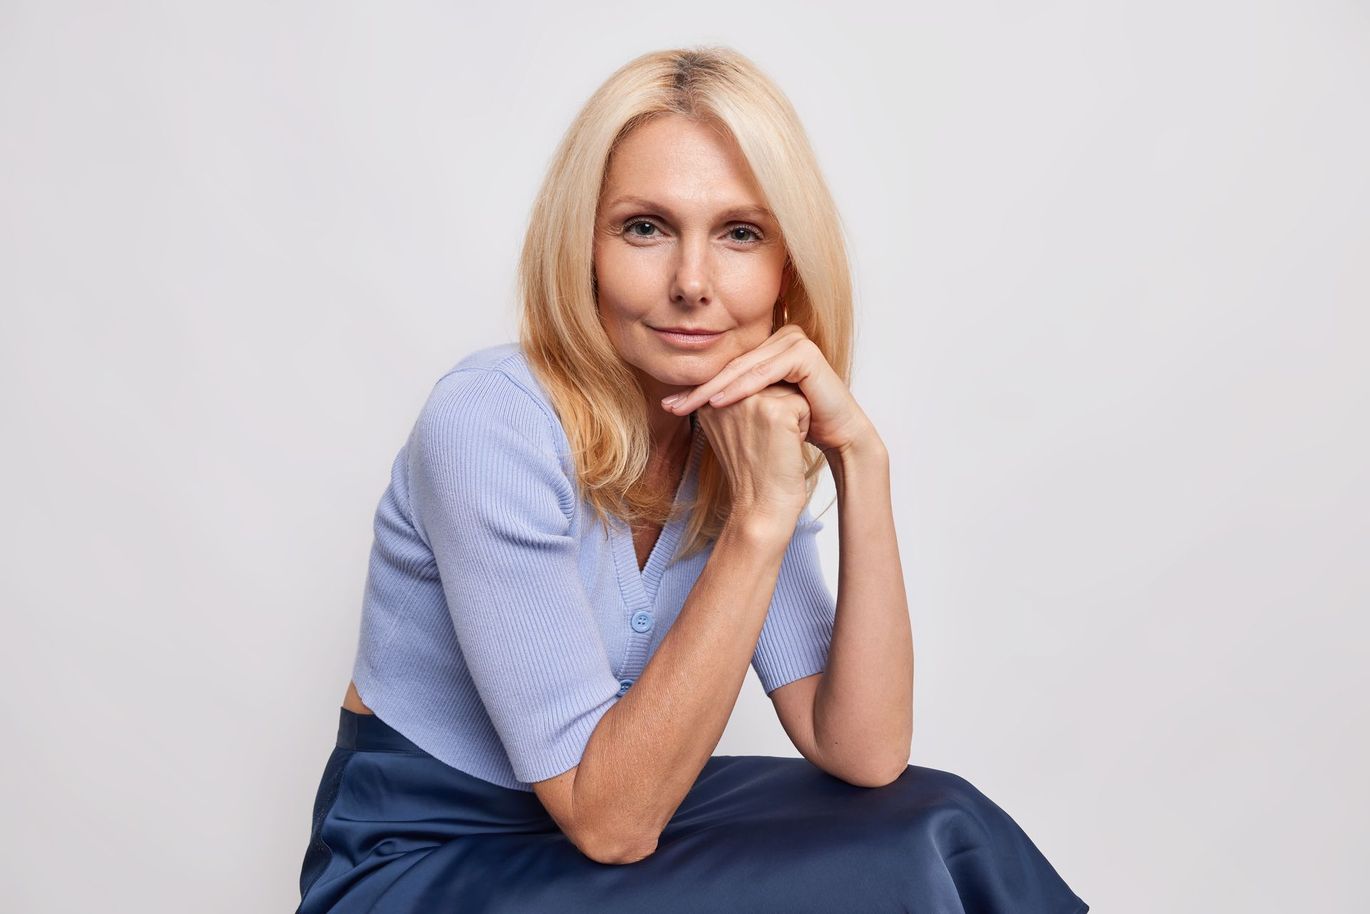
<point>756,233</point>
<point>633,223</point>
<point>632,226</point>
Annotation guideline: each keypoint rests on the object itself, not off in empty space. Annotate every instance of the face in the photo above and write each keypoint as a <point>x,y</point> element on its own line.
<point>683,241</point>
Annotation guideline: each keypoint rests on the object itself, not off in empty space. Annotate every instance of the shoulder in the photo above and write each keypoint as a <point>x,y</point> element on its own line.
<point>488,394</point>
<point>487,453</point>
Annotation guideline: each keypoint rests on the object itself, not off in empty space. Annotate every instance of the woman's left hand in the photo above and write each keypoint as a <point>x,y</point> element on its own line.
<point>788,355</point>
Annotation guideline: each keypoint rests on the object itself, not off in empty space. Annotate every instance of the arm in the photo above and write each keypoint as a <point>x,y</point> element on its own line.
<point>493,501</point>
<point>862,708</point>
<point>856,718</point>
<point>649,749</point>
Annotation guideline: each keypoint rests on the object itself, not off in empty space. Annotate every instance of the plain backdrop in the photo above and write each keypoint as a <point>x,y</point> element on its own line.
<point>1112,282</point>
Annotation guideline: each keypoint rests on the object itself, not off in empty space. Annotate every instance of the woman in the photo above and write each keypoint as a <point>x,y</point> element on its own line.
<point>591,533</point>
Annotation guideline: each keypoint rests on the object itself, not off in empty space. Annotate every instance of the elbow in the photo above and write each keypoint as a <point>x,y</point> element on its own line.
<point>608,834</point>
<point>895,766</point>
<point>893,773</point>
<point>896,763</point>
<point>874,778</point>
<point>613,843</point>
<point>869,773</point>
<point>616,849</point>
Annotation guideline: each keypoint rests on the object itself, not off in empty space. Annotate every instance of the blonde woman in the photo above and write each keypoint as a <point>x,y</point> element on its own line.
<point>592,532</point>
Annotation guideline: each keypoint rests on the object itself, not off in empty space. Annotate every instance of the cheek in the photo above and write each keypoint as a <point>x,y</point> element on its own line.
<point>751,285</point>
<point>627,278</point>
<point>615,296</point>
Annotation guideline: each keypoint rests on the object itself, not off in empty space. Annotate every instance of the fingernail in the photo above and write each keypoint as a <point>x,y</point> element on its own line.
<point>716,397</point>
<point>672,400</point>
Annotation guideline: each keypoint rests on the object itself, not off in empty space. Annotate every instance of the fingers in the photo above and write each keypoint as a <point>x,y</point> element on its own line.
<point>750,372</point>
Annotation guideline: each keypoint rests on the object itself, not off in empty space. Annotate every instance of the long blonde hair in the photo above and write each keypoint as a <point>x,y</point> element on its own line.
<point>596,395</point>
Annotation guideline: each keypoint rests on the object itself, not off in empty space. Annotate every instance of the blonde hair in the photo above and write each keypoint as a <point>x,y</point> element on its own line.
<point>596,395</point>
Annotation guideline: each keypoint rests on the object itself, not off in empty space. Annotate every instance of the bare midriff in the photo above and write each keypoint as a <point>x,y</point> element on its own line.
<point>353,701</point>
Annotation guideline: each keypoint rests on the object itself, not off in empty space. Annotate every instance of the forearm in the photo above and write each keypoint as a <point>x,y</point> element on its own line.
<point>649,749</point>
<point>863,705</point>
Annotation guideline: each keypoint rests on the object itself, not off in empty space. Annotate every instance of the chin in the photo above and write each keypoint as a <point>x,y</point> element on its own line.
<point>685,376</point>
<point>684,370</point>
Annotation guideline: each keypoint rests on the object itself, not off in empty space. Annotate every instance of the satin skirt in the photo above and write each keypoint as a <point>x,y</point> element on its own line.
<point>395,830</point>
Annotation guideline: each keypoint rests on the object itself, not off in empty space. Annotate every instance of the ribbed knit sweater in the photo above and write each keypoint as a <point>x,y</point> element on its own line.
<point>500,619</point>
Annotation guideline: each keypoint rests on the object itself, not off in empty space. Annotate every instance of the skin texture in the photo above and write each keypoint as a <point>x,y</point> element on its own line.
<point>669,252</point>
<point>683,239</point>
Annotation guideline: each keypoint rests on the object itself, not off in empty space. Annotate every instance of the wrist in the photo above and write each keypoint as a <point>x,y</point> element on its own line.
<point>865,447</point>
<point>761,527</point>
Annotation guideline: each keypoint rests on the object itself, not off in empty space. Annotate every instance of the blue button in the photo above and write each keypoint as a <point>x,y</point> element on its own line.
<point>642,621</point>
<point>624,685</point>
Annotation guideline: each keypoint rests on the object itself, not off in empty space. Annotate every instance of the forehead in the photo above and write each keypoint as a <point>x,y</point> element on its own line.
<point>676,161</point>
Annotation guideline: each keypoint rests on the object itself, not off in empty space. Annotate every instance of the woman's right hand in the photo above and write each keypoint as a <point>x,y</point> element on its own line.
<point>759,442</point>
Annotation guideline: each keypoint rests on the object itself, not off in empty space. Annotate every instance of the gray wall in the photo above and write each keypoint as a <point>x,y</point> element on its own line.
<point>1112,280</point>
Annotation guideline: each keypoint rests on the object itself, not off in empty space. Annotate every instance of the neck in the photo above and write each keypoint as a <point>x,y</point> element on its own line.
<point>667,430</point>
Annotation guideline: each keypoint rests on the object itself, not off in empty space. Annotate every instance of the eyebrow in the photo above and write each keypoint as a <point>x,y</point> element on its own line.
<point>751,210</point>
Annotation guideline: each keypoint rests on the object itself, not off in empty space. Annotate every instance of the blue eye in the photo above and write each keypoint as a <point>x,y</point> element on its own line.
<point>751,230</point>
<point>629,225</point>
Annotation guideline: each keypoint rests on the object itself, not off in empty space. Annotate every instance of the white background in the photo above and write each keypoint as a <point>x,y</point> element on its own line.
<point>1112,281</point>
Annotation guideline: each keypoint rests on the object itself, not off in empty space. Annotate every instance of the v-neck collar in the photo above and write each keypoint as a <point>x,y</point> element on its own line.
<point>640,586</point>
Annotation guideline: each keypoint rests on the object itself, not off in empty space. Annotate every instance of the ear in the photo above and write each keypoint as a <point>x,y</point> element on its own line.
<point>786,276</point>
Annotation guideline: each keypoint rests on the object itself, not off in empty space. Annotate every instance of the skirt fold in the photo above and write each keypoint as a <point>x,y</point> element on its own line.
<point>396,830</point>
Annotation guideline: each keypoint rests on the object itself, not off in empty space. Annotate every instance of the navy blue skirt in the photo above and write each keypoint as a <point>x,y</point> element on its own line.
<point>396,830</point>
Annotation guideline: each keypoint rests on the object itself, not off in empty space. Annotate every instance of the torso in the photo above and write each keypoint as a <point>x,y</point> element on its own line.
<point>644,539</point>
<point>353,701</point>
<point>645,536</point>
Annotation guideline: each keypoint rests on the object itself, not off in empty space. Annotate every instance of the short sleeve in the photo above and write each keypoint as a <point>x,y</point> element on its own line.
<point>489,494</point>
<point>795,638</point>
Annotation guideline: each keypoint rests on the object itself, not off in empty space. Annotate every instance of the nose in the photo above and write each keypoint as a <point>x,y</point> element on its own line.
<point>693,282</point>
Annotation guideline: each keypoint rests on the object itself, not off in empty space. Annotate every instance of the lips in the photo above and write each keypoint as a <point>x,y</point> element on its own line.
<point>688,339</point>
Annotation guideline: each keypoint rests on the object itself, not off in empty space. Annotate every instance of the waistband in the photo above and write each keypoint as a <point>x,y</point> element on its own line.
<point>367,731</point>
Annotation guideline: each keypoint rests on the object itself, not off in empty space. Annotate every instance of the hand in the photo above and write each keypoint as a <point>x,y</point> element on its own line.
<point>836,421</point>
<point>759,443</point>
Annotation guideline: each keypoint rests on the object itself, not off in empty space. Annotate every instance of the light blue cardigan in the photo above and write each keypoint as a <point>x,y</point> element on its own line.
<point>499,623</point>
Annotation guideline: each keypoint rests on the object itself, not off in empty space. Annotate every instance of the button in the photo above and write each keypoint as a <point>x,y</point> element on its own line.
<point>624,685</point>
<point>642,621</point>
